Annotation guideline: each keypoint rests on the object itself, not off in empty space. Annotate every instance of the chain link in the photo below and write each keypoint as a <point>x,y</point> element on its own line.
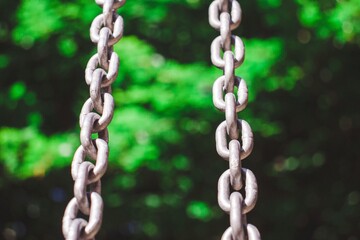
<point>96,114</point>
<point>225,16</point>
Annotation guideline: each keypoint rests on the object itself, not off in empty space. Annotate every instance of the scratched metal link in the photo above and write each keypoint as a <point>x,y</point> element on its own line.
<point>234,137</point>
<point>95,116</point>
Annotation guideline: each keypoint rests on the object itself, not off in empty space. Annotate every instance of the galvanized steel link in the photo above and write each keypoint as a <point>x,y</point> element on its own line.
<point>251,190</point>
<point>101,161</point>
<point>236,215</point>
<point>215,12</point>
<point>96,114</point>
<point>76,228</point>
<point>81,187</point>
<point>229,69</point>
<point>239,51</point>
<point>252,233</point>
<point>246,138</point>
<point>218,92</point>
<point>231,116</point>
<point>107,114</point>
<point>102,47</point>
<point>112,73</point>
<point>98,23</point>
<point>235,164</point>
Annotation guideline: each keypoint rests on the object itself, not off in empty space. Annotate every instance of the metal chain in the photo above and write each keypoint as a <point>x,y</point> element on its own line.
<point>225,16</point>
<point>96,114</point>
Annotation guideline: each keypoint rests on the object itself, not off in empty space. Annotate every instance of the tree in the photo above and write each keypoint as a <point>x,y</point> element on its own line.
<point>300,68</point>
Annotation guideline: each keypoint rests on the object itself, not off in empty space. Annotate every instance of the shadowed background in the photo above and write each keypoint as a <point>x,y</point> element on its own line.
<point>302,69</point>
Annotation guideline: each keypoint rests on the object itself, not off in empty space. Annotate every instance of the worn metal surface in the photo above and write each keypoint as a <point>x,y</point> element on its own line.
<point>225,16</point>
<point>96,114</point>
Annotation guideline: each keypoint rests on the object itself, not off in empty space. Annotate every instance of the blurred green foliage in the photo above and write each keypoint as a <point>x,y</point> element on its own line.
<point>301,68</point>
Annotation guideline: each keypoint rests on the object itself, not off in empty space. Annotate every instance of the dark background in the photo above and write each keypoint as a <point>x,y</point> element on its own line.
<point>302,69</point>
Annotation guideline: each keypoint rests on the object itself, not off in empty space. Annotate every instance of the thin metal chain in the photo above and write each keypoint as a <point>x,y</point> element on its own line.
<point>225,16</point>
<point>96,114</point>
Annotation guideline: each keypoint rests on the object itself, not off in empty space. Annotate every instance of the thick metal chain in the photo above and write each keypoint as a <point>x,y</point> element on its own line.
<point>225,16</point>
<point>96,114</point>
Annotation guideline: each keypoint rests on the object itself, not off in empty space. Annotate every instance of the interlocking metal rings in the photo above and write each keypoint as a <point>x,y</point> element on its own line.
<point>107,114</point>
<point>246,138</point>
<point>76,228</point>
<point>101,161</point>
<point>98,24</point>
<point>96,114</point>
<point>225,16</point>
<point>214,12</point>
<point>81,185</point>
<point>252,233</point>
<point>250,191</point>
<point>85,134</point>
<point>239,52</point>
<point>110,75</point>
<point>242,93</point>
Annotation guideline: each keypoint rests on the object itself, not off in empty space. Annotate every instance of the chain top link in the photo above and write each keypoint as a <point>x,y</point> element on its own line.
<point>96,114</point>
<point>225,16</point>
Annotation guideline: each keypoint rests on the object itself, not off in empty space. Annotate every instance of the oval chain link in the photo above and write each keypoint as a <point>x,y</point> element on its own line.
<point>96,114</point>
<point>225,16</point>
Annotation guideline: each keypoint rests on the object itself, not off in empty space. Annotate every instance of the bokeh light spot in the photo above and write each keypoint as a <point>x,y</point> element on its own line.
<point>152,201</point>
<point>17,91</point>
<point>199,210</point>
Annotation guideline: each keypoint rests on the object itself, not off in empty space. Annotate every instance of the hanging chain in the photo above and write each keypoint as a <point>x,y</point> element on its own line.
<point>225,16</point>
<point>96,114</point>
